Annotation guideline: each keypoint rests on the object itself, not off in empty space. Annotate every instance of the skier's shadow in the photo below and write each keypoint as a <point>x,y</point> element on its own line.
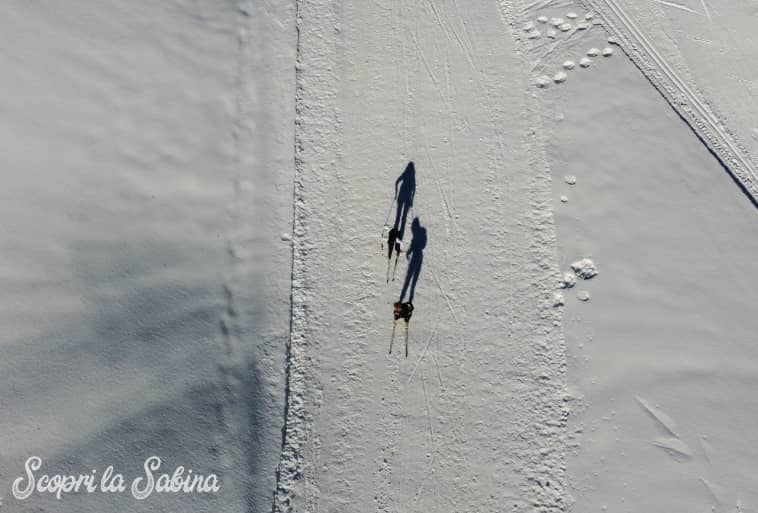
<point>405,190</point>
<point>415,256</point>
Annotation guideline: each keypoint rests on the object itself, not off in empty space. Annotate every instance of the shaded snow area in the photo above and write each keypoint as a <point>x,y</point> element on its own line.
<point>147,176</point>
<point>380,256</point>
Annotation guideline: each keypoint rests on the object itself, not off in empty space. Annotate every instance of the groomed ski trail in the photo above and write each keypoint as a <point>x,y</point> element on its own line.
<point>475,418</point>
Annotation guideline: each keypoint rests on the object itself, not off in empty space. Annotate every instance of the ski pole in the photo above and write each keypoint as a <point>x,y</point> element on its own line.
<point>389,211</point>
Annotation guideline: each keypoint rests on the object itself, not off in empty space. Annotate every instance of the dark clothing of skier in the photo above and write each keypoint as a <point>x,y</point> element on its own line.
<point>401,311</point>
<point>393,243</point>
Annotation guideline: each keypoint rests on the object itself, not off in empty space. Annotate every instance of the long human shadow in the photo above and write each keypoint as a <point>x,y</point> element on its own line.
<point>415,256</point>
<point>405,190</point>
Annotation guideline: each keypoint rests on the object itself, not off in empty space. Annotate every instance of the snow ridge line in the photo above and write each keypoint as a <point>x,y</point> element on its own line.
<point>686,103</point>
<point>291,459</point>
<point>295,473</point>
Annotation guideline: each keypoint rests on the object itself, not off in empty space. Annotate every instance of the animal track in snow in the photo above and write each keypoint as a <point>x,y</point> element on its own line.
<point>564,32</point>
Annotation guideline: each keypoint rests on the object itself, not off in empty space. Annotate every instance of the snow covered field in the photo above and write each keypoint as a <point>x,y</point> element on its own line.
<point>147,179</point>
<point>191,209</point>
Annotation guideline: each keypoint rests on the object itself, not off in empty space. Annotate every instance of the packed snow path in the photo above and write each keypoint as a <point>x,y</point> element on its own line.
<point>474,418</point>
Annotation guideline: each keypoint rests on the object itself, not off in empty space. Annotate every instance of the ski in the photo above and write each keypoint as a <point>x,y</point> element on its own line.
<point>394,271</point>
<point>406,338</point>
<point>392,339</point>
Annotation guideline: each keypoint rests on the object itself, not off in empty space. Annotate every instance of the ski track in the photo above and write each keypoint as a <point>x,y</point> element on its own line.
<point>688,104</point>
<point>361,433</point>
<point>675,6</point>
<point>706,10</point>
<point>423,353</point>
<point>444,295</point>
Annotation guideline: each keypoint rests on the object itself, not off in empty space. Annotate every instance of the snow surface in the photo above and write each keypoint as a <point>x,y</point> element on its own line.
<point>147,177</point>
<point>475,418</point>
<point>662,354</point>
<point>191,208</point>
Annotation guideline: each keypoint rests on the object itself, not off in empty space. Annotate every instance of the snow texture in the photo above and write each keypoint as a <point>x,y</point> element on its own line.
<point>191,267</point>
<point>475,418</point>
<point>147,177</point>
<point>584,268</point>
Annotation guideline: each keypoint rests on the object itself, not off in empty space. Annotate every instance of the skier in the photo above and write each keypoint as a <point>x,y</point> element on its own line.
<point>394,243</point>
<point>401,311</point>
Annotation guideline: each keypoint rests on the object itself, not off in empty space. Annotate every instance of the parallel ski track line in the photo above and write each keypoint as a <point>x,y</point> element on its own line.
<point>706,124</point>
<point>675,6</point>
